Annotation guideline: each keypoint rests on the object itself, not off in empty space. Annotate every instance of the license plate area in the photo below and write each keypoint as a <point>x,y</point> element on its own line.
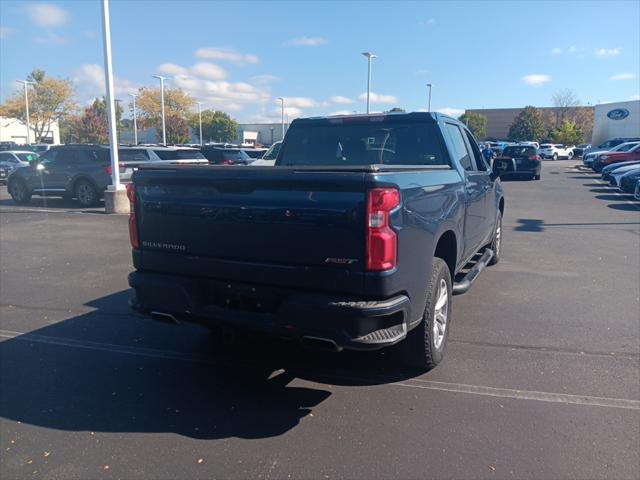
<point>241,297</point>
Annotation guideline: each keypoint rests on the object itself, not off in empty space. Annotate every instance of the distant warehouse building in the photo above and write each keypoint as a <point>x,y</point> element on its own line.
<point>620,119</point>
<point>15,130</point>
<point>260,133</point>
<point>499,120</point>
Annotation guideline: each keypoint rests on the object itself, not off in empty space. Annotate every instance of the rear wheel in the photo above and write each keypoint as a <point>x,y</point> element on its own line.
<point>19,191</point>
<point>425,344</point>
<point>555,156</point>
<point>86,193</point>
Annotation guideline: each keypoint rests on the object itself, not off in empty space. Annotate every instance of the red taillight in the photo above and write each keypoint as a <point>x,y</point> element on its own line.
<point>382,248</point>
<point>133,224</point>
<point>227,162</point>
<point>108,170</point>
<point>534,157</point>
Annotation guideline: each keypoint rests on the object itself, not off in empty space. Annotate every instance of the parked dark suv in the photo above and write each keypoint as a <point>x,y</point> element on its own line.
<point>70,171</point>
<point>226,156</point>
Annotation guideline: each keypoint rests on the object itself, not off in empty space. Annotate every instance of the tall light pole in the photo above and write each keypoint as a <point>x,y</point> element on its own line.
<point>200,119</point>
<point>111,110</point>
<point>26,84</point>
<point>282,118</point>
<point>429,85</point>
<point>369,56</point>
<point>135,121</point>
<point>162,79</point>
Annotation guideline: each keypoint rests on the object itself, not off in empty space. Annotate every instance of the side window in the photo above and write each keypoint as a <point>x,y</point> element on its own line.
<point>5,157</point>
<point>481,164</point>
<point>460,149</point>
<point>48,157</point>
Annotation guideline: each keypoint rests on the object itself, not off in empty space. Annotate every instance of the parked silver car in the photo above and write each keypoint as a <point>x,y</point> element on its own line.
<point>11,160</point>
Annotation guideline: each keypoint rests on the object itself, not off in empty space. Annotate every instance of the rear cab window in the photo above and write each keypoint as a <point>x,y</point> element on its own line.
<point>368,142</point>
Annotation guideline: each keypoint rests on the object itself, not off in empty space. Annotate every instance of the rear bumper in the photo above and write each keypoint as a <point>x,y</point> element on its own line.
<point>347,322</point>
<point>521,167</point>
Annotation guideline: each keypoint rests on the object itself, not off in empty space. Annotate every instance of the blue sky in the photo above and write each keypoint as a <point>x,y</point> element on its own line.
<point>241,56</point>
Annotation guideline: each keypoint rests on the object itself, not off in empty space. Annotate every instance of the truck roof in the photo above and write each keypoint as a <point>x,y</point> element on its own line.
<point>393,117</point>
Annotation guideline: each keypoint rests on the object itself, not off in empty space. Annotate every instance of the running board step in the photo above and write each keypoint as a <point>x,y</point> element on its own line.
<point>384,335</point>
<point>466,283</point>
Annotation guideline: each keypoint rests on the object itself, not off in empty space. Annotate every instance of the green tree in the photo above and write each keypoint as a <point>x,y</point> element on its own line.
<point>50,101</point>
<point>476,122</point>
<point>217,126</point>
<point>569,133</point>
<point>527,126</point>
<point>177,105</point>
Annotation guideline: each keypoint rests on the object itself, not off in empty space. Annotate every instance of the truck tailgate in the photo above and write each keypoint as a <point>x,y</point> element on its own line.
<point>266,215</point>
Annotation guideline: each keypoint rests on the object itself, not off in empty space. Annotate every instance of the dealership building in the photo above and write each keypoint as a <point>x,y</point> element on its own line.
<point>619,119</point>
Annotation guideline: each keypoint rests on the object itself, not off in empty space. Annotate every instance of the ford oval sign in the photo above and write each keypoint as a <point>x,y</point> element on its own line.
<point>618,114</point>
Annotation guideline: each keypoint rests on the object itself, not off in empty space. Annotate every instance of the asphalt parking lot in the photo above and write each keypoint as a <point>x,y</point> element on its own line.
<point>541,377</point>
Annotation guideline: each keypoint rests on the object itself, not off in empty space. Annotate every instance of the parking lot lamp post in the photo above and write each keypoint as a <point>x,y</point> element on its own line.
<point>26,84</point>
<point>162,79</point>
<point>200,119</point>
<point>111,110</point>
<point>282,115</point>
<point>429,86</point>
<point>135,121</point>
<point>369,56</point>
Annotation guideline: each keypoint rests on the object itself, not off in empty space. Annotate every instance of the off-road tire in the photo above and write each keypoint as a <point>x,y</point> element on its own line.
<point>419,349</point>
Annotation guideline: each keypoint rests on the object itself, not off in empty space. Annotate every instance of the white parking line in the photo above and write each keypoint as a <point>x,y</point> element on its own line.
<point>584,400</point>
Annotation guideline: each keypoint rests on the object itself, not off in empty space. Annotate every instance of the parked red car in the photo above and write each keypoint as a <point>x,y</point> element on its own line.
<point>605,158</point>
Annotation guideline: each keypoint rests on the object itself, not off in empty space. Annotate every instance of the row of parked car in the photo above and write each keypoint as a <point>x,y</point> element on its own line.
<point>619,164</point>
<point>83,172</point>
<point>553,151</point>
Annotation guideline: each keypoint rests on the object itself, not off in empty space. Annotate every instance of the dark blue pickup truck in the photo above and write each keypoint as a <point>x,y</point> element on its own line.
<point>357,238</point>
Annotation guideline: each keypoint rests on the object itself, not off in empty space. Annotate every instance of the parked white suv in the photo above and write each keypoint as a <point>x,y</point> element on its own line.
<point>556,151</point>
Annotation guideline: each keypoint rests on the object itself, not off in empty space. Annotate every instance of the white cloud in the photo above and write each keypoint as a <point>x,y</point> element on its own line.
<point>606,52</point>
<point>536,80</point>
<point>293,112</point>
<point>5,32</point>
<point>634,97</point>
<point>171,69</point>
<point>50,38</point>
<point>264,79</point>
<point>573,49</point>
<point>623,76</point>
<point>378,98</point>
<point>90,83</point>
<point>47,15</point>
<point>298,102</point>
<point>452,112</point>
<point>343,112</point>
<point>340,100</point>
<point>226,55</point>
<point>556,51</point>
<point>89,34</point>
<point>305,42</point>
<point>208,70</point>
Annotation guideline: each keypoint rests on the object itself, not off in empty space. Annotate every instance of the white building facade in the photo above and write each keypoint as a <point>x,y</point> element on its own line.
<point>15,130</point>
<point>619,119</point>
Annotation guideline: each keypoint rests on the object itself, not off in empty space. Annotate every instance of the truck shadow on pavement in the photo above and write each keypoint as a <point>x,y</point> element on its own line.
<point>55,377</point>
